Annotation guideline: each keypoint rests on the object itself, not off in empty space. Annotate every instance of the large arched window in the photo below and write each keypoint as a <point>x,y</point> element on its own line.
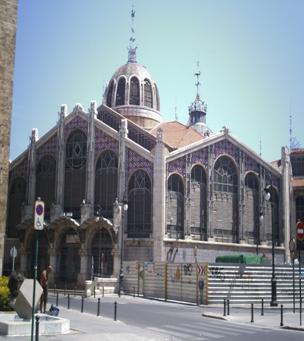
<point>106,183</point>
<point>272,217</point>
<point>198,202</point>
<point>175,207</point>
<point>251,211</point>
<point>120,93</point>
<point>110,93</point>
<point>226,200</point>
<point>140,206</point>
<point>148,100</point>
<point>134,91</point>
<point>75,172</point>
<point>300,208</point>
<point>46,182</point>
<point>17,197</point>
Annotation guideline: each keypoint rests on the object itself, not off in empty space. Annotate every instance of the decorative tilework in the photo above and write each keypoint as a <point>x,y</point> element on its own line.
<point>226,147</point>
<point>200,156</point>
<point>136,161</point>
<point>20,170</point>
<point>178,165</point>
<point>50,147</point>
<point>76,123</point>
<point>251,165</point>
<point>104,142</point>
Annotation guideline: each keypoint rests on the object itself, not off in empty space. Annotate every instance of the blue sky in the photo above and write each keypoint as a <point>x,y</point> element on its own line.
<point>251,57</point>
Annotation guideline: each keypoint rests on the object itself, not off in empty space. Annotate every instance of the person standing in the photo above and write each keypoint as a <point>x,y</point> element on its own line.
<point>44,283</point>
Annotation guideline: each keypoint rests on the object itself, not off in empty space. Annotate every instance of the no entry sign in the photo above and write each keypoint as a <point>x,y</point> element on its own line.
<point>300,236</point>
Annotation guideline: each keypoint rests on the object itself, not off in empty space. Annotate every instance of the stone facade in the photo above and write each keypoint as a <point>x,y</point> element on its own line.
<point>8,18</point>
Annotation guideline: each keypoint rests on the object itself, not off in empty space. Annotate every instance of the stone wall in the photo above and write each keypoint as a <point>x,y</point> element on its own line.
<point>8,17</point>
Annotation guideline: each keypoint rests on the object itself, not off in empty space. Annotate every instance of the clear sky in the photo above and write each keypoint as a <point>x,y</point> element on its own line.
<point>251,57</point>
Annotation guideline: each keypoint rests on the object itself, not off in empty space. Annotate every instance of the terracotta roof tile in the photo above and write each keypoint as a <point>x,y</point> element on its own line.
<point>177,135</point>
<point>298,182</point>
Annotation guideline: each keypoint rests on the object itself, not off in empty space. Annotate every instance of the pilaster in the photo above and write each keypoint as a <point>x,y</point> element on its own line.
<point>187,199</point>
<point>60,163</point>
<point>241,187</point>
<point>122,166</point>
<point>210,199</point>
<point>32,168</point>
<point>285,199</point>
<point>82,276</point>
<point>159,198</point>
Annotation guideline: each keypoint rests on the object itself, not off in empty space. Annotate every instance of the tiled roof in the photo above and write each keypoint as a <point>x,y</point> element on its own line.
<point>177,135</point>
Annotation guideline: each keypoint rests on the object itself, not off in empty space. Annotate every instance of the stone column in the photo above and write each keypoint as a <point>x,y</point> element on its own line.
<point>31,188</point>
<point>241,188</point>
<point>87,210</point>
<point>122,157</point>
<point>159,198</point>
<point>285,199</point>
<point>187,199</point>
<point>57,209</point>
<point>116,261</point>
<point>82,276</point>
<point>262,206</point>
<point>210,202</point>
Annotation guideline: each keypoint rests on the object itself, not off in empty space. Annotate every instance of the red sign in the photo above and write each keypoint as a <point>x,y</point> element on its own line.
<point>300,230</point>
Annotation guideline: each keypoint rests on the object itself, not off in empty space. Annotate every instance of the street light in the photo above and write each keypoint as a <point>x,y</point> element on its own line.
<point>122,224</point>
<point>273,302</point>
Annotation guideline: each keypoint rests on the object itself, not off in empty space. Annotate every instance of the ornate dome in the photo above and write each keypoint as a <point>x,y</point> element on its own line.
<point>132,92</point>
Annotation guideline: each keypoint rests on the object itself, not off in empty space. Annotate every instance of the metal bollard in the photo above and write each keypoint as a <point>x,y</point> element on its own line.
<point>252,317</point>
<point>82,301</point>
<point>224,307</point>
<point>68,301</point>
<point>37,328</point>
<point>262,307</point>
<point>94,291</point>
<point>134,292</point>
<point>57,299</point>
<point>301,312</point>
<point>115,311</point>
<point>103,291</point>
<point>281,323</point>
<point>98,307</point>
<point>228,307</point>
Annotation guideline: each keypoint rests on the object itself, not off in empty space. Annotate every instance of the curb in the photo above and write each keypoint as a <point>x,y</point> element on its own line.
<point>217,317</point>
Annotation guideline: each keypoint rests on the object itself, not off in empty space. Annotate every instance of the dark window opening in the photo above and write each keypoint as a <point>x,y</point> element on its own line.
<point>134,91</point>
<point>148,102</point>
<point>120,94</point>
<point>110,93</point>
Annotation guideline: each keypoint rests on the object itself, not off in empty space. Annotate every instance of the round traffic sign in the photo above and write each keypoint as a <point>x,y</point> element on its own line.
<point>292,245</point>
<point>39,209</point>
<point>300,230</point>
<point>13,252</point>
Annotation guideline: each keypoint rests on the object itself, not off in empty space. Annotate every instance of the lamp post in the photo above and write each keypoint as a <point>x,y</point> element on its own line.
<point>122,224</point>
<point>273,301</point>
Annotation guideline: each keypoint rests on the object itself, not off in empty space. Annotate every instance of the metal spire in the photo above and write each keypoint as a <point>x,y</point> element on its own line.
<point>260,147</point>
<point>132,48</point>
<point>197,84</point>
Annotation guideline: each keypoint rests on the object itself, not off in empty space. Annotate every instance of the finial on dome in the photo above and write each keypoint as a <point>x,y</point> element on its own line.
<point>197,84</point>
<point>132,48</point>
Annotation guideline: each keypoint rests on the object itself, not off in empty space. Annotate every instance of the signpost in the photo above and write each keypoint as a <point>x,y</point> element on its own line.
<point>292,249</point>
<point>300,247</point>
<point>38,226</point>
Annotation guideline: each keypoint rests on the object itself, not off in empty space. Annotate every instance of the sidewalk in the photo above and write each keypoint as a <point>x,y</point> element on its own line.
<point>270,319</point>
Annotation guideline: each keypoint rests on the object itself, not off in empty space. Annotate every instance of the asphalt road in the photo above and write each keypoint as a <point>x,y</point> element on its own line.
<point>179,321</point>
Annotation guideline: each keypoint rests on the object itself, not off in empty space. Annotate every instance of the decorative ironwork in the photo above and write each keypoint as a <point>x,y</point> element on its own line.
<point>76,123</point>
<point>148,100</point>
<point>134,91</point>
<point>120,94</point>
<point>109,119</point>
<point>50,147</point>
<point>225,175</point>
<point>136,162</point>
<point>137,135</point>
<point>178,165</point>
<point>104,142</point>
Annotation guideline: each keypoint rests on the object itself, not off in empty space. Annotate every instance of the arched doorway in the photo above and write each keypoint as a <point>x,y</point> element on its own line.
<point>43,255</point>
<point>101,254</point>
<point>69,258</point>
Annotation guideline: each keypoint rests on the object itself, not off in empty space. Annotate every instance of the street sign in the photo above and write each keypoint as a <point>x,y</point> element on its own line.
<point>13,253</point>
<point>39,215</point>
<point>300,236</point>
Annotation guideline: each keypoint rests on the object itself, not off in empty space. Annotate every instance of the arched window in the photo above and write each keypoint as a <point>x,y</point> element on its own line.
<point>251,209</point>
<point>75,172</point>
<point>17,197</point>
<point>300,208</point>
<point>140,206</point>
<point>226,200</point>
<point>175,207</point>
<point>148,102</point>
<point>198,202</point>
<point>134,91</point>
<point>157,97</point>
<point>110,93</point>
<point>120,94</point>
<point>106,183</point>
<point>45,182</point>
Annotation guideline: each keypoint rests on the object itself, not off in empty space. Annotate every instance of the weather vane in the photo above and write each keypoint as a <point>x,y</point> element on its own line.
<point>132,48</point>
